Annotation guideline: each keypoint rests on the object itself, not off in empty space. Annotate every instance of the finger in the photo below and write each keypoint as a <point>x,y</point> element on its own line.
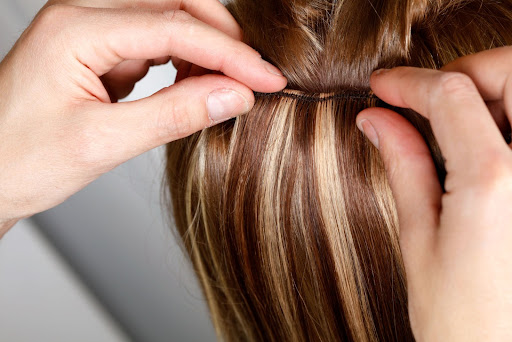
<point>176,62</point>
<point>160,61</point>
<point>212,12</point>
<point>412,177</point>
<point>499,115</point>
<point>121,80</point>
<point>173,113</point>
<point>183,71</point>
<point>196,70</point>
<point>491,72</point>
<point>189,70</point>
<point>459,117</point>
<point>153,35</point>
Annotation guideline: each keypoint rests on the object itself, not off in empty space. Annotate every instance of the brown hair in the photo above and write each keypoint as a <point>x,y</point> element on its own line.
<point>286,212</point>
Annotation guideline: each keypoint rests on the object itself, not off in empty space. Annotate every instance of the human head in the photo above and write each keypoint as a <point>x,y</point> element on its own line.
<point>286,212</point>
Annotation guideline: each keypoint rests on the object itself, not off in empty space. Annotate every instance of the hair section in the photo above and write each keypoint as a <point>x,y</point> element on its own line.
<point>286,212</point>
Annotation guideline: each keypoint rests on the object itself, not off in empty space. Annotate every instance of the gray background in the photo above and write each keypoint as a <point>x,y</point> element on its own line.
<point>114,233</point>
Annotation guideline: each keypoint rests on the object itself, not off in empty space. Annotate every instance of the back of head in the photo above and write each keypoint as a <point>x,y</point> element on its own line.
<point>286,212</point>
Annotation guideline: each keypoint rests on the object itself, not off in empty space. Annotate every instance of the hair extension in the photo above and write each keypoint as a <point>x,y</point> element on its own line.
<point>297,94</point>
<point>286,212</point>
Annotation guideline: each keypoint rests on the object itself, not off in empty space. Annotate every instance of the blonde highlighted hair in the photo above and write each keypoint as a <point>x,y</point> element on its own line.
<point>286,212</point>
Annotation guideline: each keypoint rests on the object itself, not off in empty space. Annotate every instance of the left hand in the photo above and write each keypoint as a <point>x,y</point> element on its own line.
<point>120,81</point>
<point>60,127</point>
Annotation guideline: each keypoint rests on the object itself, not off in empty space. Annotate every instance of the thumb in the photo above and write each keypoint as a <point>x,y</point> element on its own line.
<point>411,174</point>
<point>184,108</point>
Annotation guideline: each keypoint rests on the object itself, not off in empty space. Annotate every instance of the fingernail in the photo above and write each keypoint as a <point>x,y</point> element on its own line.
<point>380,72</point>
<point>366,127</point>
<point>271,68</point>
<point>223,104</point>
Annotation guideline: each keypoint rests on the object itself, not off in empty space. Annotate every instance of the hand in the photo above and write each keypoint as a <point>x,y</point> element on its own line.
<point>119,82</point>
<point>59,127</point>
<point>457,245</point>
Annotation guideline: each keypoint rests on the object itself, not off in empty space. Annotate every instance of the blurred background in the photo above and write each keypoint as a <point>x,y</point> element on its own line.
<point>103,266</point>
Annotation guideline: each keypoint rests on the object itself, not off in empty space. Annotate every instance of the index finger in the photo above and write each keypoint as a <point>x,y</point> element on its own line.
<point>115,35</point>
<point>459,117</point>
<point>211,12</point>
<point>491,71</point>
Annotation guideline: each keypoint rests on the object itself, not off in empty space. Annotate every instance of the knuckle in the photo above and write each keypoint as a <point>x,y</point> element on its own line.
<point>494,175</point>
<point>54,14</point>
<point>456,84</point>
<point>173,120</point>
<point>179,17</point>
<point>53,21</point>
<point>231,56</point>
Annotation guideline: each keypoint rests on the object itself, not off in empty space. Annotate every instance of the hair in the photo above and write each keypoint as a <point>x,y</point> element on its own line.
<point>286,212</point>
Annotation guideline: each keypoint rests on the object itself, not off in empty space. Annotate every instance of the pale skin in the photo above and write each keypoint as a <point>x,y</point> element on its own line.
<point>61,128</point>
<point>457,245</point>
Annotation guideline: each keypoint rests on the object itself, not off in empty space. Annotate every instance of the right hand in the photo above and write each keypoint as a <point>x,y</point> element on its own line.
<point>457,245</point>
